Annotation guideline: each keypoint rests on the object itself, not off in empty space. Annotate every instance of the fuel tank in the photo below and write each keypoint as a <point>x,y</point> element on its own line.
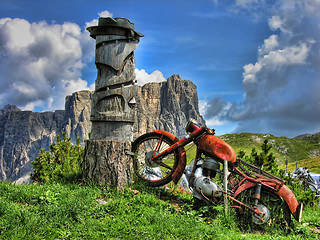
<point>216,148</point>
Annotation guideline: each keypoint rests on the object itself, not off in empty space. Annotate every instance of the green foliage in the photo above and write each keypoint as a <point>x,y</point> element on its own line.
<point>269,160</point>
<point>303,193</point>
<point>61,163</point>
<point>283,147</point>
<point>265,159</point>
<point>71,211</point>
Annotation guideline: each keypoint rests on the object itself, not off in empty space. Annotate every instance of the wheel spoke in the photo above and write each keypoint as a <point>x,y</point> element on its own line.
<point>164,165</point>
<point>155,172</point>
<point>157,147</point>
<point>278,209</point>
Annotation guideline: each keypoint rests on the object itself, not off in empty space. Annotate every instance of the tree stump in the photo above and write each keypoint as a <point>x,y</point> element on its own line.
<point>113,111</point>
<point>107,163</point>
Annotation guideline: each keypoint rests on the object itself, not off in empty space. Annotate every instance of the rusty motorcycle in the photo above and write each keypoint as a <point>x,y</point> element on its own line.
<point>159,157</point>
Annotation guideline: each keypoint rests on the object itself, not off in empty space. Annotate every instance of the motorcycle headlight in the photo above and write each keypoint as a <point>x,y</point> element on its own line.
<point>192,122</point>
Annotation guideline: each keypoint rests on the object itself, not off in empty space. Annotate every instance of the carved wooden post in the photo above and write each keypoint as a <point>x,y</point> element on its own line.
<point>113,110</point>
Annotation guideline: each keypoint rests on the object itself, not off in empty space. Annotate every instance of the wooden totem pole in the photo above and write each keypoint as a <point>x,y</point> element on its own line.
<point>113,111</point>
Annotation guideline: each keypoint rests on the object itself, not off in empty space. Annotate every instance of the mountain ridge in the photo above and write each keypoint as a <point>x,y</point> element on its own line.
<point>166,105</point>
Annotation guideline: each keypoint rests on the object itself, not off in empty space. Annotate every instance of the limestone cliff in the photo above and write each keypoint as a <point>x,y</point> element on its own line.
<point>23,134</point>
<point>77,115</point>
<point>167,106</point>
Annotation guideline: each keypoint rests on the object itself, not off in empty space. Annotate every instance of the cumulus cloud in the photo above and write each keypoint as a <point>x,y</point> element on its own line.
<point>143,77</point>
<point>282,87</point>
<point>41,63</point>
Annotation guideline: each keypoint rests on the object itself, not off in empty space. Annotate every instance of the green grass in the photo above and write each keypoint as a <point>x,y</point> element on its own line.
<point>283,147</point>
<point>313,164</point>
<point>70,211</point>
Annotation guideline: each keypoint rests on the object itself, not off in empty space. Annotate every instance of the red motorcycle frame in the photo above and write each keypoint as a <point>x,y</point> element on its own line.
<point>164,152</point>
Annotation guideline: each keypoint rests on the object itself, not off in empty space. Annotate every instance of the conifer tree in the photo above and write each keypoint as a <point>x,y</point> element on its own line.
<point>61,163</point>
<point>264,160</point>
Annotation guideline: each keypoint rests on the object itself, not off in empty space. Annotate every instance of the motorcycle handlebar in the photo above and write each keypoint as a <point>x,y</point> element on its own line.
<point>210,131</point>
<point>193,125</point>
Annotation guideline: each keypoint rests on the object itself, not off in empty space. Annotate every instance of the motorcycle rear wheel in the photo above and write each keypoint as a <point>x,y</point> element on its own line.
<point>152,173</point>
<point>278,209</point>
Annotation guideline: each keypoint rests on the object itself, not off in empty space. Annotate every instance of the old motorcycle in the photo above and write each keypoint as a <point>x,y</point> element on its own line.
<point>159,158</point>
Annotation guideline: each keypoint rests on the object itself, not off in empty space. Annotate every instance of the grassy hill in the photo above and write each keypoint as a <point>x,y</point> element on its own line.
<point>313,164</point>
<point>71,211</point>
<point>283,148</point>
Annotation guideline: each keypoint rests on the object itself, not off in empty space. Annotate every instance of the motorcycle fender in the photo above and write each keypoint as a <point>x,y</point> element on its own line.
<point>243,187</point>
<point>291,200</point>
<point>285,193</point>
<point>182,156</point>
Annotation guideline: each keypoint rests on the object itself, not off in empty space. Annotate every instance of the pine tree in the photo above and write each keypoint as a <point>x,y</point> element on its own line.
<point>269,160</point>
<point>264,160</point>
<point>61,163</point>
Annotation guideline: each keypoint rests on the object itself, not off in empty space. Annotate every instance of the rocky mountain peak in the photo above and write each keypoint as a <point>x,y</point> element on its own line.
<point>166,106</point>
<point>9,108</point>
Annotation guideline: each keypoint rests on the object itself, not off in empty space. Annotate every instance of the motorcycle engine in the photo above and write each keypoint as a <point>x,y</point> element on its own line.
<point>204,185</point>
<point>207,187</point>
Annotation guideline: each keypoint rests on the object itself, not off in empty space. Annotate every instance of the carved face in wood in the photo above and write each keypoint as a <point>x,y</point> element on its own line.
<point>115,89</point>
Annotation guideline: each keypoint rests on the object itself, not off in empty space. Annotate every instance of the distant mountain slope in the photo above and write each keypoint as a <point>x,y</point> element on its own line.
<point>311,137</point>
<point>283,147</point>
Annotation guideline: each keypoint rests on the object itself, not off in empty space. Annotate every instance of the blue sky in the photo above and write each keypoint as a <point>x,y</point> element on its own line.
<point>256,63</point>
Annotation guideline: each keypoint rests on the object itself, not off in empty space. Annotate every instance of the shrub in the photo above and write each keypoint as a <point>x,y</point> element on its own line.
<point>61,163</point>
<point>303,194</point>
<point>267,161</point>
<point>264,159</point>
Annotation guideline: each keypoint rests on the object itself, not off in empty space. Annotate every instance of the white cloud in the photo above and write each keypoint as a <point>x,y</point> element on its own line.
<point>94,22</point>
<point>34,104</point>
<point>270,44</point>
<point>40,63</point>
<point>275,22</point>
<point>203,105</point>
<point>290,55</point>
<point>214,122</point>
<point>282,87</point>
<point>214,111</point>
<point>143,77</point>
<point>213,119</point>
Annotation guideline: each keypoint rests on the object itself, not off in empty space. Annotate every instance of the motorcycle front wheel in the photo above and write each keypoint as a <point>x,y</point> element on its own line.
<point>152,173</point>
<point>277,212</point>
